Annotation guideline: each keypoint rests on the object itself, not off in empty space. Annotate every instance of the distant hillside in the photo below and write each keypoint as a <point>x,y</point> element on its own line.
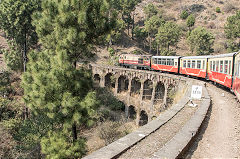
<point>205,13</point>
<point>203,10</point>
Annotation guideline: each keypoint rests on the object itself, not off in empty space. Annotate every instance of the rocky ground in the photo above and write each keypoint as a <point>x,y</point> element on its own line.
<point>220,134</point>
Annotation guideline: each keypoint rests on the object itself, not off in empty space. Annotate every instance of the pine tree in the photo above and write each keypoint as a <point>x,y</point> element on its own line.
<point>190,21</point>
<point>126,7</point>
<point>232,31</point>
<point>201,41</point>
<point>12,57</point>
<point>151,27</point>
<point>168,35</point>
<point>16,22</point>
<point>67,31</point>
<point>150,10</point>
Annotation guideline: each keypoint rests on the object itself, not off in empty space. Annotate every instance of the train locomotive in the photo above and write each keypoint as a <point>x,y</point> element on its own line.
<point>223,69</point>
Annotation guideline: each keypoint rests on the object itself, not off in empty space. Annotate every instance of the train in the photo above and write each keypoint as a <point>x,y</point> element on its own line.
<point>223,69</point>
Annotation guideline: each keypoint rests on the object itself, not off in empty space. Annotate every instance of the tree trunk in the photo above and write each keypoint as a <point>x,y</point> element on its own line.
<point>128,28</point>
<point>74,132</point>
<point>24,70</point>
<point>74,127</point>
<point>150,49</point>
<point>133,26</point>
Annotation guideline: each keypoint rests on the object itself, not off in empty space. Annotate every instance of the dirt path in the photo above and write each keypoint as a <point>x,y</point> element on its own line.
<point>220,135</point>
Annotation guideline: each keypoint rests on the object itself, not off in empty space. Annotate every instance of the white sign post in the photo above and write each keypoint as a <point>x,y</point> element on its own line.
<point>196,92</point>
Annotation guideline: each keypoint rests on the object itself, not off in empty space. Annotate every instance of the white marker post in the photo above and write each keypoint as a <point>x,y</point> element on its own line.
<point>195,94</point>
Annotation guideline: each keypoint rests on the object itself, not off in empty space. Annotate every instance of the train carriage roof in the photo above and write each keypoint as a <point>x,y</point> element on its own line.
<point>196,57</point>
<point>167,57</point>
<point>224,55</point>
<point>136,55</point>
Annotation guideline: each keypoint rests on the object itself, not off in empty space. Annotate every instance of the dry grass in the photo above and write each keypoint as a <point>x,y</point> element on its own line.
<point>106,133</point>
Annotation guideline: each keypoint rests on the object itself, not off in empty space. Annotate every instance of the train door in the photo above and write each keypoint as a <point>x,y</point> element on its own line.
<point>207,65</point>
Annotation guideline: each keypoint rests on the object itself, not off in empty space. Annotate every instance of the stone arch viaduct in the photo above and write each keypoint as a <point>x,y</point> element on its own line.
<point>144,93</point>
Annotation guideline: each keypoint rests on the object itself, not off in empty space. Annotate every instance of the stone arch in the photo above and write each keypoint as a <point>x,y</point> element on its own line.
<point>147,90</point>
<point>143,118</point>
<point>132,112</point>
<point>97,78</point>
<point>109,81</point>
<point>123,83</point>
<point>136,86</point>
<point>159,92</point>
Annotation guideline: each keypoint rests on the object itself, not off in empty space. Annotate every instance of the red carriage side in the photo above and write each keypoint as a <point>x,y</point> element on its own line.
<point>165,63</point>
<point>220,69</point>
<point>236,75</point>
<point>135,61</point>
<point>194,66</point>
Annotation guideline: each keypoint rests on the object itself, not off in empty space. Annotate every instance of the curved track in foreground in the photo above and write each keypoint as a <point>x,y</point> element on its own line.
<point>219,136</point>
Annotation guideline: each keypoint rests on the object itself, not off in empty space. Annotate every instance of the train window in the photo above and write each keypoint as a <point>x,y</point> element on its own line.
<point>125,57</point>
<point>158,61</point>
<point>184,63</point>
<point>203,64</point>
<point>230,67</point>
<point>238,68</point>
<point>226,66</point>
<point>221,66</point>
<point>189,64</point>
<point>168,61</point>
<point>217,66</point>
<point>140,60</point>
<point>193,63</point>
<point>172,62</point>
<point>214,66</point>
<point>175,63</point>
<point>154,61</point>
<point>198,64</point>
<point>211,65</point>
<point>163,61</point>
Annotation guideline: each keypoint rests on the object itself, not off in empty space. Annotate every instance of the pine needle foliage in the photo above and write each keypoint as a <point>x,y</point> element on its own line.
<point>201,41</point>
<point>232,31</point>
<point>57,145</point>
<point>52,85</point>
<point>73,25</point>
<point>16,22</point>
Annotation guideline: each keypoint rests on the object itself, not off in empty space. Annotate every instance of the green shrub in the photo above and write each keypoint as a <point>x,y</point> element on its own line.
<point>111,51</point>
<point>184,14</point>
<point>218,10</point>
<point>139,33</point>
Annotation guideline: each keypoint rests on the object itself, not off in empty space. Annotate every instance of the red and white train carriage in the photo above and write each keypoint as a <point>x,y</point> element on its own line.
<point>135,61</point>
<point>220,69</point>
<point>236,75</point>
<point>165,63</point>
<point>194,66</point>
<point>223,69</point>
